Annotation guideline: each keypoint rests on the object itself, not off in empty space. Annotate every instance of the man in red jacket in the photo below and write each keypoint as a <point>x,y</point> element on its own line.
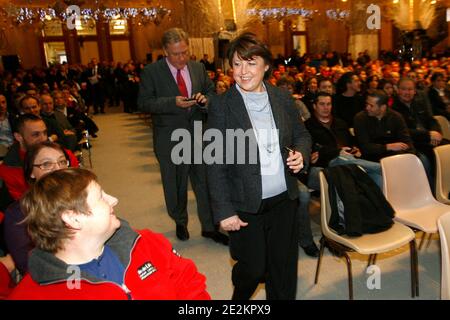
<point>83,251</point>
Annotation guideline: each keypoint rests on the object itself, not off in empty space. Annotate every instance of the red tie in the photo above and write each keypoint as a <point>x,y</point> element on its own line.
<point>181,84</point>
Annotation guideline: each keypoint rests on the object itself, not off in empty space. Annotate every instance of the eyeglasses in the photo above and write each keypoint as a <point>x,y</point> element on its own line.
<point>49,165</point>
<point>178,54</point>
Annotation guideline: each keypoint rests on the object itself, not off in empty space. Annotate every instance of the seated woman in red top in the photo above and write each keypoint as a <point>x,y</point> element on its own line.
<point>83,251</point>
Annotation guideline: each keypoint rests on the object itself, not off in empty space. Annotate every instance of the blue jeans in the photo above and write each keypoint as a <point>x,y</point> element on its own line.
<point>373,169</point>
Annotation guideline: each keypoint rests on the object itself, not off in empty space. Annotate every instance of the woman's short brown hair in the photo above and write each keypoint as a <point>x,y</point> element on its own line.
<point>247,46</point>
<point>46,201</point>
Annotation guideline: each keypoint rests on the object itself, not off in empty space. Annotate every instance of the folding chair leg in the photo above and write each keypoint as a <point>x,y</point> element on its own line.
<point>372,259</point>
<point>416,265</point>
<point>414,269</point>
<point>369,262</point>
<point>90,158</point>
<point>350,278</point>
<point>322,246</point>
<point>421,240</point>
<point>429,240</point>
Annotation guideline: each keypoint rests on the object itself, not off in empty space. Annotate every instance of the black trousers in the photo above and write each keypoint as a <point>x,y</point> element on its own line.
<point>175,184</point>
<point>267,249</point>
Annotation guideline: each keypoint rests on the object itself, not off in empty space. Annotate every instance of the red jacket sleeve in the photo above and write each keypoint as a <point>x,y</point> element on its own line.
<point>6,283</point>
<point>190,283</point>
<point>73,160</point>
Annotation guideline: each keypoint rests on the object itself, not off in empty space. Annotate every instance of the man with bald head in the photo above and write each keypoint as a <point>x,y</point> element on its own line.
<point>424,129</point>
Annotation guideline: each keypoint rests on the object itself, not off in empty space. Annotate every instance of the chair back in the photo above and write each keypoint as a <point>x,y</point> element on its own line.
<point>325,207</point>
<point>445,126</point>
<point>442,173</point>
<point>405,183</point>
<point>444,234</point>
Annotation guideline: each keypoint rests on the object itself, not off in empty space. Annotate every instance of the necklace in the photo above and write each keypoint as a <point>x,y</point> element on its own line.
<point>270,147</point>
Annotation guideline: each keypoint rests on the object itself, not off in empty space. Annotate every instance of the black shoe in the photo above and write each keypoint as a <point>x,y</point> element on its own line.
<point>311,250</point>
<point>182,232</point>
<point>216,236</point>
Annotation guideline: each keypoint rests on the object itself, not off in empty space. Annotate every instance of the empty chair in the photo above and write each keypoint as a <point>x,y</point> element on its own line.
<point>370,244</point>
<point>406,187</point>
<point>444,233</point>
<point>445,126</point>
<point>442,173</point>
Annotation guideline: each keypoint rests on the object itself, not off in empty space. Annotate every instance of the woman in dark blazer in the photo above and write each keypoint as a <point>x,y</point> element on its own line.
<point>253,185</point>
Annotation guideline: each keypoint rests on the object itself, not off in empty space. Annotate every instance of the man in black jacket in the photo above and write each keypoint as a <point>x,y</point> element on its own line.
<point>439,96</point>
<point>380,131</point>
<point>332,142</point>
<point>424,129</point>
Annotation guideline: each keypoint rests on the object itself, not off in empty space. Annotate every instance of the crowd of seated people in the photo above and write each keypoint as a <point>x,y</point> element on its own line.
<point>374,108</point>
<point>357,111</point>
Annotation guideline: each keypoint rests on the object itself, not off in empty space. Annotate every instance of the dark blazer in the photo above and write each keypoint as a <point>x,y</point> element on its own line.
<point>419,111</point>
<point>238,187</point>
<point>438,105</point>
<point>373,135</point>
<point>157,93</point>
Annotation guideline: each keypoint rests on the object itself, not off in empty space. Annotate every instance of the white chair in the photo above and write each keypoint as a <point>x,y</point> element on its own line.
<point>445,126</point>
<point>442,154</point>
<point>371,244</point>
<point>406,187</point>
<point>444,233</point>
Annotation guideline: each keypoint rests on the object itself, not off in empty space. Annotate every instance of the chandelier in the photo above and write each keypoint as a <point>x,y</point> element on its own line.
<point>282,12</point>
<point>59,10</point>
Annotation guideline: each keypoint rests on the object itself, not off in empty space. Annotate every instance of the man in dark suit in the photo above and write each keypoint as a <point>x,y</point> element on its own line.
<point>176,91</point>
<point>95,75</point>
<point>439,96</point>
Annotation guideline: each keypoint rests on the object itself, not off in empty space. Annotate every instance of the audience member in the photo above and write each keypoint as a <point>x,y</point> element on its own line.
<point>6,127</point>
<point>29,130</point>
<point>439,96</point>
<point>40,159</point>
<point>83,251</point>
<point>381,131</point>
<point>333,144</point>
<point>348,101</point>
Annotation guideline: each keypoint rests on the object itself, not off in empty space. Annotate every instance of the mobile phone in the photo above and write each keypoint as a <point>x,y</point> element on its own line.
<point>289,149</point>
<point>190,99</point>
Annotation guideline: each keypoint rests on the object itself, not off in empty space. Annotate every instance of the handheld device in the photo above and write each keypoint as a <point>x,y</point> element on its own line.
<point>289,149</point>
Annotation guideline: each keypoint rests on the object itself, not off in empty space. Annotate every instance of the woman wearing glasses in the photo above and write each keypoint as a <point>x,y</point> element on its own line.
<point>39,160</point>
